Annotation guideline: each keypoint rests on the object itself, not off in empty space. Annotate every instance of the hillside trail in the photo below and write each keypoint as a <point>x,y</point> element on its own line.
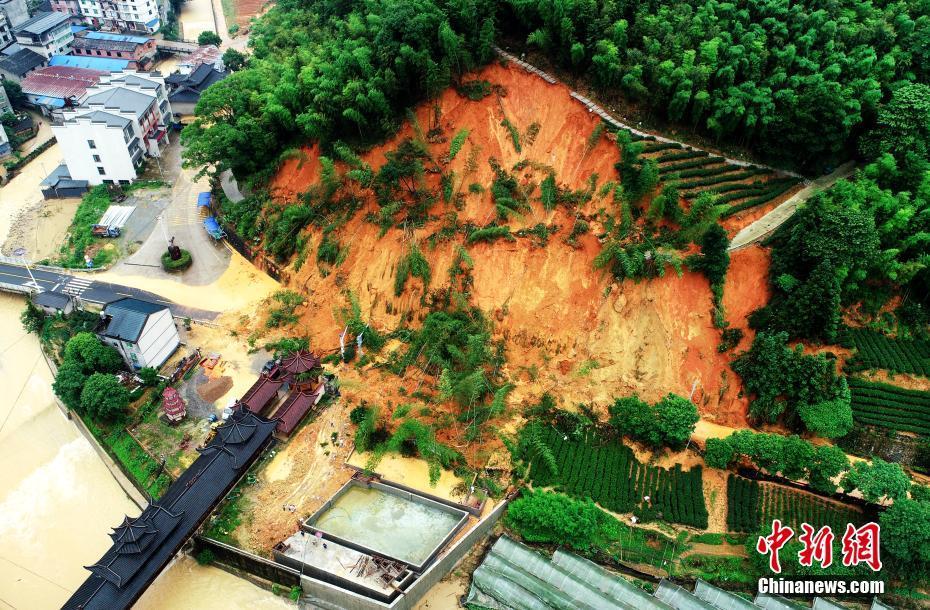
<point>767,224</point>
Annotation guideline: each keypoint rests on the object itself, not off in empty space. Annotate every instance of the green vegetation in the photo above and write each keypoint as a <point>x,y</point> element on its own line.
<point>169,264</point>
<point>540,516</point>
<point>205,557</point>
<point>80,238</point>
<point>414,264</point>
<point>103,396</point>
<point>669,422</point>
<point>794,507</point>
<point>888,406</point>
<point>208,38</point>
<point>305,53</point>
<point>283,313</point>
<point>876,351</point>
<point>678,60</point>
<point>791,456</point>
<point>877,480</point>
<point>609,473</point>
<point>798,388</point>
<point>906,537</point>
<point>743,500</point>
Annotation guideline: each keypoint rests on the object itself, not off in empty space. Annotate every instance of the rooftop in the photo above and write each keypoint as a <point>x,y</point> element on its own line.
<point>21,62</point>
<point>122,99</point>
<point>60,81</point>
<point>61,178</point>
<point>127,318</point>
<point>142,547</point>
<point>115,37</point>
<point>99,116</point>
<point>50,298</point>
<point>105,64</point>
<point>41,23</point>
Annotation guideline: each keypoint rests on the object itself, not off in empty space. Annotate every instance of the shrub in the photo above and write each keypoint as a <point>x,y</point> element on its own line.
<point>475,90</point>
<point>205,557</point>
<point>669,422</point>
<point>541,516</point>
<point>103,397</point>
<point>491,234</point>
<point>169,264</point>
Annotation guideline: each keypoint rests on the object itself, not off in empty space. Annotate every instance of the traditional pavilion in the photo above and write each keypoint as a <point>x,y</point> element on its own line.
<point>173,404</point>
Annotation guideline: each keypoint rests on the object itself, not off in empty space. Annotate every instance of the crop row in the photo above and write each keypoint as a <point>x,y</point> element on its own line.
<point>610,474</point>
<point>720,179</point>
<point>742,504</point>
<point>875,350</point>
<point>680,156</point>
<point>795,507</point>
<point>761,199</point>
<point>679,168</point>
<point>888,406</point>
<point>654,146</point>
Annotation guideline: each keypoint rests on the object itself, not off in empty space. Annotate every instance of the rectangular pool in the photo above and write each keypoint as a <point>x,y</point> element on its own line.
<point>389,521</point>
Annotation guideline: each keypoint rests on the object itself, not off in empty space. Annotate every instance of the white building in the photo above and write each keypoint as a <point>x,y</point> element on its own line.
<point>122,120</point>
<point>45,33</point>
<point>6,31</point>
<point>122,15</point>
<point>16,11</point>
<point>142,332</point>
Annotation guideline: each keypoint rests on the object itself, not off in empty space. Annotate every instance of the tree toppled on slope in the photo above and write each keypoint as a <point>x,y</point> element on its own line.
<point>334,70</point>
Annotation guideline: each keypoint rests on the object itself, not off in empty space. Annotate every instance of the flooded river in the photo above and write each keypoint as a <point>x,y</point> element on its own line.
<point>58,501</point>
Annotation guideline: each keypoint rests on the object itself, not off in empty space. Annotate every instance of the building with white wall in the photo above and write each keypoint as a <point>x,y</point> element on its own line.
<point>142,332</point>
<point>122,15</point>
<point>6,31</point>
<point>16,11</point>
<point>45,33</point>
<point>123,119</point>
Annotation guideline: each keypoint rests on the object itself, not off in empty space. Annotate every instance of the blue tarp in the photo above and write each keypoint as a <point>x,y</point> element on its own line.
<point>104,64</point>
<point>203,200</point>
<point>153,23</point>
<point>45,100</point>
<point>213,228</point>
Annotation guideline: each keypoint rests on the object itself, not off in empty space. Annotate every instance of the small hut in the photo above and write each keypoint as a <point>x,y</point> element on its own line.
<point>174,406</point>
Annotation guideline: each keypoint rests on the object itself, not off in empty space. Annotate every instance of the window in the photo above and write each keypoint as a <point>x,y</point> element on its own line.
<point>91,144</point>
<point>100,171</point>
<point>96,158</point>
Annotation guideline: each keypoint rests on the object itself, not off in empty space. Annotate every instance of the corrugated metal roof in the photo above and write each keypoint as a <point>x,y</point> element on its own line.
<point>106,64</point>
<point>22,61</point>
<point>41,23</point>
<point>60,81</point>
<point>119,37</point>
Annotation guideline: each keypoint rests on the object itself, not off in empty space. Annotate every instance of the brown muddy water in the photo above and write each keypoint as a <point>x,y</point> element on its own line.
<point>58,501</point>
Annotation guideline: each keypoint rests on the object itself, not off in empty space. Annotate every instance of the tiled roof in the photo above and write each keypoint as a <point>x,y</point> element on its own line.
<point>120,98</point>
<point>142,547</point>
<point>22,61</point>
<point>261,393</point>
<point>127,318</point>
<point>60,81</point>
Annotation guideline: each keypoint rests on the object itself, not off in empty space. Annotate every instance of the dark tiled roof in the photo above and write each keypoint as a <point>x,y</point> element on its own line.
<point>127,318</point>
<point>22,61</point>
<point>50,298</point>
<point>296,407</point>
<point>142,547</point>
<point>300,362</point>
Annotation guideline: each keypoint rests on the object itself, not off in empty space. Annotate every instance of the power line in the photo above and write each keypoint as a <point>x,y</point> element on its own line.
<point>36,574</point>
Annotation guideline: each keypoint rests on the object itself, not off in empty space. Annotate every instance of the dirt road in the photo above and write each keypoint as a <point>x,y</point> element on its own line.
<point>767,224</point>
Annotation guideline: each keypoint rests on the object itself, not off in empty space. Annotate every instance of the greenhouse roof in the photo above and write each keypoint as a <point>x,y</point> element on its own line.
<point>718,598</point>
<point>611,585</point>
<point>679,598</point>
<point>774,602</point>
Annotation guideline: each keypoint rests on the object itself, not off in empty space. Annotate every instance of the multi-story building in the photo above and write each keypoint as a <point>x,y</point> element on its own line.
<point>20,64</point>
<point>138,50</point>
<point>122,15</point>
<point>16,11</point>
<point>6,31</point>
<point>122,120</point>
<point>45,33</point>
<point>5,105</point>
<point>72,8</point>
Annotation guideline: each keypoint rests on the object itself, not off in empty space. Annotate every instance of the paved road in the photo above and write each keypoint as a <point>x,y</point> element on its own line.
<point>18,278</point>
<point>180,219</point>
<point>766,225</point>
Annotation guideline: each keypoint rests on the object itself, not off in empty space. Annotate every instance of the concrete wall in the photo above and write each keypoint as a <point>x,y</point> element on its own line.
<point>110,145</point>
<point>159,339</point>
<point>328,596</point>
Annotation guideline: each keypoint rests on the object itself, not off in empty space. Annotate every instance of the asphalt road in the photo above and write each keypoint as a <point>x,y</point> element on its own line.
<point>88,289</point>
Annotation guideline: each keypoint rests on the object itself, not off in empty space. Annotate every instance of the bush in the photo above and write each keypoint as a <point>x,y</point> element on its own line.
<point>169,264</point>
<point>669,422</point>
<point>103,397</point>
<point>209,37</point>
<point>205,557</point>
<point>541,516</point>
<point>490,234</point>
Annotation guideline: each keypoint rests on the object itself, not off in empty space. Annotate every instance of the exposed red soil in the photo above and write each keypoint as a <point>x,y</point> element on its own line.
<point>246,9</point>
<point>569,329</point>
<point>740,220</point>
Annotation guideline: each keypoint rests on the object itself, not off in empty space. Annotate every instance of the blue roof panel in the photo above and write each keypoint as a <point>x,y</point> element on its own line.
<point>104,64</point>
<point>119,37</point>
<point>203,200</point>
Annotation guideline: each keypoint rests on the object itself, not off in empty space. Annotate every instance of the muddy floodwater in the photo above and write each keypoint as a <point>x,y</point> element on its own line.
<point>58,501</point>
